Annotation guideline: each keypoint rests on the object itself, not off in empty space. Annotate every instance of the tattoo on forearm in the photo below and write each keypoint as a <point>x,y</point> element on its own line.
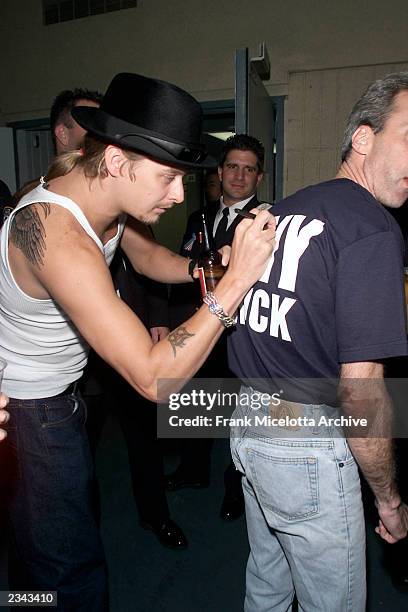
<point>178,337</point>
<point>27,232</point>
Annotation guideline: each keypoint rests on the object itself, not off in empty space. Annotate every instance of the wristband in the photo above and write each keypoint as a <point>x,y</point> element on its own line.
<point>216,309</point>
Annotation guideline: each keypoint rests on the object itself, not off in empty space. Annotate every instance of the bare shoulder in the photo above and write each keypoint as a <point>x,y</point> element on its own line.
<point>46,241</point>
<point>39,227</point>
<point>27,232</point>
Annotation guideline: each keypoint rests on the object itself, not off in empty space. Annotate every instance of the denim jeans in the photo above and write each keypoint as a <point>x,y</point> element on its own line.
<point>304,518</point>
<point>57,543</point>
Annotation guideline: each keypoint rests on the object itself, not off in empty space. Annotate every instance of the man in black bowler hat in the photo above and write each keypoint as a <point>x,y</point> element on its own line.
<point>57,298</point>
<point>101,387</point>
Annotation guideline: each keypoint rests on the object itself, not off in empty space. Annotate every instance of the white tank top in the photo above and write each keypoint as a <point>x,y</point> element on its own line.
<point>43,349</point>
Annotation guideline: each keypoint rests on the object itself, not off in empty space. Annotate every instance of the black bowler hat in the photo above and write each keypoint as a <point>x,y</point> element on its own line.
<point>149,116</point>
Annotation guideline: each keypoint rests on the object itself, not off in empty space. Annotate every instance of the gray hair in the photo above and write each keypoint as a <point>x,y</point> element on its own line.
<point>374,107</point>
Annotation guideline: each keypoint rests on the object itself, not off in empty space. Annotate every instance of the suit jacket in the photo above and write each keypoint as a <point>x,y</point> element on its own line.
<point>149,301</point>
<point>195,225</point>
<point>186,298</point>
<point>146,297</point>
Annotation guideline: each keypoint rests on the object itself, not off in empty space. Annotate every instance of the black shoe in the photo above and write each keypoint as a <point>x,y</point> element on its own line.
<point>232,508</point>
<point>168,533</point>
<point>179,480</point>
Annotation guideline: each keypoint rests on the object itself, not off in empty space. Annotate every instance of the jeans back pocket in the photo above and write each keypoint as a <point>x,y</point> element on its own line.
<point>289,486</point>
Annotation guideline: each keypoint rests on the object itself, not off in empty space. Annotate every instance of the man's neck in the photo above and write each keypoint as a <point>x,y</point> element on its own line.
<point>355,173</point>
<point>234,202</point>
<point>93,199</point>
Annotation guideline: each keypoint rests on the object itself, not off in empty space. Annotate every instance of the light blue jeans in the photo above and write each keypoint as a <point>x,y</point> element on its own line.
<point>304,518</point>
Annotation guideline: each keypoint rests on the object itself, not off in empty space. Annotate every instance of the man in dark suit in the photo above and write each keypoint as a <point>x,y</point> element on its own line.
<point>212,186</point>
<point>240,170</point>
<point>106,391</point>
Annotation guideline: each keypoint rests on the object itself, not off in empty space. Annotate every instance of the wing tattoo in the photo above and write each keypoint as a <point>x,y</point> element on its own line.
<point>27,232</point>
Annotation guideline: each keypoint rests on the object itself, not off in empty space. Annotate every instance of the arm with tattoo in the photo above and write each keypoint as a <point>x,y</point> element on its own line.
<point>27,232</point>
<point>178,337</point>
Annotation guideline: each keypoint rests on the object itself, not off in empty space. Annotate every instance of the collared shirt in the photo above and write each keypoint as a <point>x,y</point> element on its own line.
<point>232,213</point>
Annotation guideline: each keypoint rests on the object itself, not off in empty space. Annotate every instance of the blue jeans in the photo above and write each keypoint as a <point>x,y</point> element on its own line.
<point>57,542</point>
<point>304,517</point>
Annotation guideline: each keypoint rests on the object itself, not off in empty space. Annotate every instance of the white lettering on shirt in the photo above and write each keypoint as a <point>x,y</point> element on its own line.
<point>296,243</point>
<point>261,308</point>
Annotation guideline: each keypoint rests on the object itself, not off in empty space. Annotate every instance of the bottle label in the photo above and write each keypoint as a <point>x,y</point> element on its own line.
<point>203,284</point>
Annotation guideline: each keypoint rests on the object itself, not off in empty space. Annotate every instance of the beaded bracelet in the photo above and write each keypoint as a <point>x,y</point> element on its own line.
<point>217,310</point>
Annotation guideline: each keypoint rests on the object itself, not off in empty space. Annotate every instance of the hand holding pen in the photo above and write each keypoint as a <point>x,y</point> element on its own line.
<point>247,215</point>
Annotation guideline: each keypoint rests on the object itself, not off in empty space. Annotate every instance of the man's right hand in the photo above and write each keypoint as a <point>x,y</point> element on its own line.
<point>4,415</point>
<point>88,298</point>
<point>253,244</point>
<point>393,524</point>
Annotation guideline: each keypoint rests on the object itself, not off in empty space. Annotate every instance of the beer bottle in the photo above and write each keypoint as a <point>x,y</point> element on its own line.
<point>210,268</point>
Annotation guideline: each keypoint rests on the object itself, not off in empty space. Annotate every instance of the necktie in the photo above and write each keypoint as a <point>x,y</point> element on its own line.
<point>219,237</point>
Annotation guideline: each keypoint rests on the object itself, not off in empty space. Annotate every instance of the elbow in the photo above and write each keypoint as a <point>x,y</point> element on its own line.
<point>155,384</point>
<point>159,390</point>
<point>151,394</point>
<point>147,389</point>
<point>150,387</point>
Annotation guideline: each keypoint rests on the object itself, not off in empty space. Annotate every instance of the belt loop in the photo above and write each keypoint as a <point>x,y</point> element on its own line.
<point>316,418</point>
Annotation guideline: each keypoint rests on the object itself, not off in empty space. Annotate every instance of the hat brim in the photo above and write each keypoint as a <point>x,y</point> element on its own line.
<point>128,136</point>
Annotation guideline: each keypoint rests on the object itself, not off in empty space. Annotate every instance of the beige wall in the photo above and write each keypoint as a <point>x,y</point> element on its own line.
<point>317,107</point>
<point>189,42</point>
<point>192,43</point>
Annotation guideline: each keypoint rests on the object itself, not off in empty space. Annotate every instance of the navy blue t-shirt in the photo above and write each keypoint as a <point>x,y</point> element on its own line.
<point>332,292</point>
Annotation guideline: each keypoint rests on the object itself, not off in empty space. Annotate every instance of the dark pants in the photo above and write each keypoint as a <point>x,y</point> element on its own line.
<point>138,421</point>
<point>195,463</point>
<point>195,453</point>
<point>56,541</point>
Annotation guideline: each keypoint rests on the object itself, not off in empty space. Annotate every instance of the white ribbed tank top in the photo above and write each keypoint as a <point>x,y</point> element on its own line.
<point>43,349</point>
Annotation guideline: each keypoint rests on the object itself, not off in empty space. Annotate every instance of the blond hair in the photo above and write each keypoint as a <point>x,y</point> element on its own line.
<point>91,158</point>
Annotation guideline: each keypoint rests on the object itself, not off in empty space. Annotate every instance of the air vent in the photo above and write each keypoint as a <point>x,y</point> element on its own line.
<point>56,11</point>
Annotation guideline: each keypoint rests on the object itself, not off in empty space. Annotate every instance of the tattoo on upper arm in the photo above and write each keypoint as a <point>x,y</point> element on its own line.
<point>27,232</point>
<point>178,337</point>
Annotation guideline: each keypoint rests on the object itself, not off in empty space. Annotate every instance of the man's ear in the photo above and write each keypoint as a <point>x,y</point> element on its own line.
<point>362,139</point>
<point>61,134</point>
<point>220,173</point>
<point>114,159</point>
<point>259,178</point>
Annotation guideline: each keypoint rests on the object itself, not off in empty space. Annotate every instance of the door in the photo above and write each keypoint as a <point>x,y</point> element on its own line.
<point>35,151</point>
<point>7,162</point>
<point>254,112</point>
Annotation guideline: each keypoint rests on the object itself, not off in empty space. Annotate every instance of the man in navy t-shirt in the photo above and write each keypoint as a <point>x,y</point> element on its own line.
<point>311,337</point>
